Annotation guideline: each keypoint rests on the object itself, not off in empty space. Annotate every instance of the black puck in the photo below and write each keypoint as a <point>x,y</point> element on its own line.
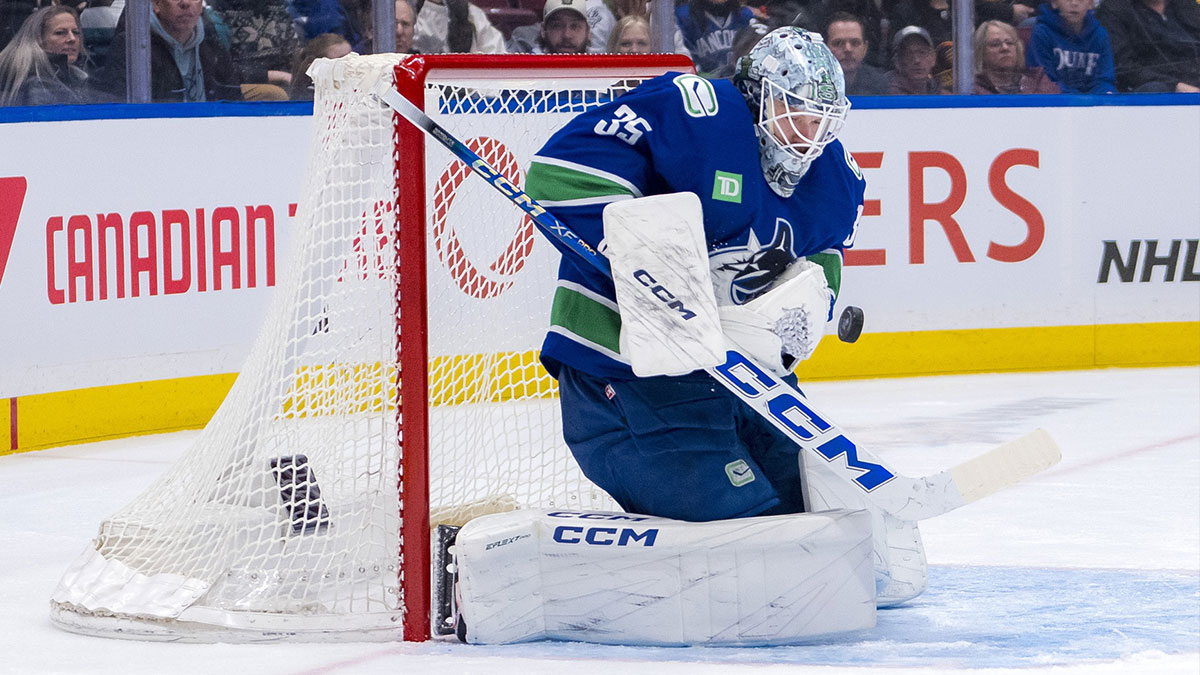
<point>850,324</point>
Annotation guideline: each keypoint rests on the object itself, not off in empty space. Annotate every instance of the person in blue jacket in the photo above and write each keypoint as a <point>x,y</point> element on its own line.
<point>1073,48</point>
<point>683,446</point>
<point>708,28</point>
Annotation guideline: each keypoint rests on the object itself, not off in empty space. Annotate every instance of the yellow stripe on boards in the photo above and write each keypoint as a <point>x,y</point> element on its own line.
<point>114,411</point>
<point>990,350</point>
<point>489,378</point>
<point>118,410</point>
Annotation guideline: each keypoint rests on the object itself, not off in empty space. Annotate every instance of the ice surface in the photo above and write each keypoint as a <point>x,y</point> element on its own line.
<point>1092,567</point>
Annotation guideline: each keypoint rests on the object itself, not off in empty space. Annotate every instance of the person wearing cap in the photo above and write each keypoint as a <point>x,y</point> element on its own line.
<point>454,26</point>
<point>913,57</point>
<point>563,30</point>
<point>846,36</point>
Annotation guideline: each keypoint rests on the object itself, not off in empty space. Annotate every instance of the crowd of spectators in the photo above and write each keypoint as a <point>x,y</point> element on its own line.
<point>73,51</point>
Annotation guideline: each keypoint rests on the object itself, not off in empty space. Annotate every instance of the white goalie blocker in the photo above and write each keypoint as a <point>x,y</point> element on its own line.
<point>669,319</point>
<point>619,578</point>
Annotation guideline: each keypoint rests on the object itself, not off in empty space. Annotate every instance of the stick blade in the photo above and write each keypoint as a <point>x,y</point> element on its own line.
<point>1006,465</point>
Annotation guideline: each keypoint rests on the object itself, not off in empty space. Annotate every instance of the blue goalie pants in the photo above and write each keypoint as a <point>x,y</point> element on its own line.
<point>678,447</point>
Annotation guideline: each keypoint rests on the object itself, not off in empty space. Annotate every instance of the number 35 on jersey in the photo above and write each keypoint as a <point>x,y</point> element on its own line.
<point>625,125</point>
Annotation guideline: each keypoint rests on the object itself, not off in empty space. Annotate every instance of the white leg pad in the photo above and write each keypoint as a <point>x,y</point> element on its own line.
<point>617,578</point>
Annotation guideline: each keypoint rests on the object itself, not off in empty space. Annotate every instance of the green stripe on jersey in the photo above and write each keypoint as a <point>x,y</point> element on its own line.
<point>831,261</point>
<point>550,183</point>
<point>580,315</point>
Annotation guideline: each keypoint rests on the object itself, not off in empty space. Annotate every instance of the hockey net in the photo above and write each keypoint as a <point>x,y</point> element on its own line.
<point>394,383</point>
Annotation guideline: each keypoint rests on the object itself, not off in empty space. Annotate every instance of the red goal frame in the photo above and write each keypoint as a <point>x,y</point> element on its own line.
<point>410,241</point>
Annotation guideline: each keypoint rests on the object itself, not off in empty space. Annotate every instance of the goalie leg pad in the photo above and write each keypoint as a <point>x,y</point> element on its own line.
<point>619,578</point>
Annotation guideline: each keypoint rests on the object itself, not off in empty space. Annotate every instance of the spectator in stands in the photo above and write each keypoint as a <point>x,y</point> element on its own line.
<point>315,17</point>
<point>871,16</point>
<point>709,27</point>
<point>603,15</point>
<point>187,62</point>
<point>38,66</point>
<point>846,36</point>
<point>1000,63</point>
<point>1156,43</point>
<point>325,46</point>
<point>913,58</point>
<point>1072,47</point>
<point>262,39</point>
<point>406,21</point>
<point>455,26</point>
<point>631,36</point>
<point>563,30</point>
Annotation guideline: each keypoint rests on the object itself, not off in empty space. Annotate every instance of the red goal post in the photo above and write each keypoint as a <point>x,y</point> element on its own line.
<point>417,202</point>
<point>394,383</point>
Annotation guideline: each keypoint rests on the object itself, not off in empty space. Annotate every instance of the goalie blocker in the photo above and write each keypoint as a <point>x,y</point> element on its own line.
<point>619,578</point>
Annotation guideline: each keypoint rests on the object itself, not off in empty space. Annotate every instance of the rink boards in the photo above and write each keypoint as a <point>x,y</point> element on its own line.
<point>1034,247</point>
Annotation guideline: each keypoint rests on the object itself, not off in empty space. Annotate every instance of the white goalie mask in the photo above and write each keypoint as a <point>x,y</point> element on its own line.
<point>796,87</point>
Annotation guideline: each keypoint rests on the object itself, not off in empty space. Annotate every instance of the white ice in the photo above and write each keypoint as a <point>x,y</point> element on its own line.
<point>1092,567</point>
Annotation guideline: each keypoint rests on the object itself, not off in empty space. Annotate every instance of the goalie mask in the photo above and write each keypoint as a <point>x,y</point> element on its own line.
<point>796,87</point>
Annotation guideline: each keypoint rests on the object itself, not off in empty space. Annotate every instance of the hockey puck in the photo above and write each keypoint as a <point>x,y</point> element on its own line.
<point>850,324</point>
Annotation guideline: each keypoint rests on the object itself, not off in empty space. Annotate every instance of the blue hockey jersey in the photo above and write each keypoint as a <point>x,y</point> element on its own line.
<point>681,133</point>
<point>1080,63</point>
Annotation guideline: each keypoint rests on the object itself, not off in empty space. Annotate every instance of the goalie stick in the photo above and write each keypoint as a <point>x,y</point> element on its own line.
<point>780,403</point>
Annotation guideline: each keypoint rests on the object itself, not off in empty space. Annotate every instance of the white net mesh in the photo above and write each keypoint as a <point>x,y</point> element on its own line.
<point>284,520</point>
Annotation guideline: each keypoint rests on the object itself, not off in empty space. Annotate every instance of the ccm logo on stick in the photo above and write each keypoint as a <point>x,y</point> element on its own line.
<point>663,294</point>
<point>604,536</point>
<point>799,421</point>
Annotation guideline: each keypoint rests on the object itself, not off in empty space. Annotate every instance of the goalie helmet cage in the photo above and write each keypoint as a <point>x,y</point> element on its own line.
<point>394,383</point>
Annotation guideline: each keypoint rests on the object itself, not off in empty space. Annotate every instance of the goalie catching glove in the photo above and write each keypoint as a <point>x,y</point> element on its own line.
<point>783,326</point>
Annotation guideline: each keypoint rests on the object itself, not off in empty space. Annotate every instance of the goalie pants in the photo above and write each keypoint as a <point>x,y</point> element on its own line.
<point>678,447</point>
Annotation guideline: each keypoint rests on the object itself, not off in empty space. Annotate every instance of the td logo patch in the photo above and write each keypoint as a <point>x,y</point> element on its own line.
<point>739,473</point>
<point>727,187</point>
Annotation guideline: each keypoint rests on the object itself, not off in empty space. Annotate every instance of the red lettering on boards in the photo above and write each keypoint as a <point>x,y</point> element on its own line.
<point>150,253</point>
<point>944,212</point>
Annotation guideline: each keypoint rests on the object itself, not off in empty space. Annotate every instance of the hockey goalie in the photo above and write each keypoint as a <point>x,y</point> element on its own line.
<point>702,225</point>
<point>723,207</point>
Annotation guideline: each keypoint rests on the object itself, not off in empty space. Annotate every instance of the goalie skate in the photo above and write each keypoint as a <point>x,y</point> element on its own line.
<point>901,572</point>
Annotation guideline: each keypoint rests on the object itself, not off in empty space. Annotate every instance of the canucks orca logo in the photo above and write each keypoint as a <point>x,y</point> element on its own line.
<point>751,270</point>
